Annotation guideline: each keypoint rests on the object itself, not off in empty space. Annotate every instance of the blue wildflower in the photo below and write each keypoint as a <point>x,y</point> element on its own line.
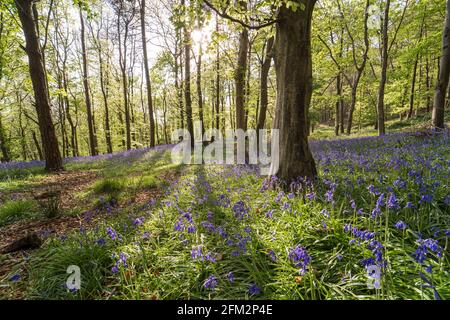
<point>211,282</point>
<point>254,289</point>
<point>15,278</point>
<point>300,258</point>
<point>111,233</point>
<point>400,225</point>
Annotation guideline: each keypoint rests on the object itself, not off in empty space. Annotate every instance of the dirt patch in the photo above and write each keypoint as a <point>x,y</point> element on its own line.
<point>68,184</point>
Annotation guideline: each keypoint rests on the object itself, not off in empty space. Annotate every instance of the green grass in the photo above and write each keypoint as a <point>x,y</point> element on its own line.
<point>158,257</point>
<point>14,210</point>
<point>108,186</point>
<point>137,253</point>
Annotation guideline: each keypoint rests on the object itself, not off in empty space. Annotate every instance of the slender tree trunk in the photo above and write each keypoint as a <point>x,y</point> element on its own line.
<point>199,87</point>
<point>385,44</point>
<point>217,78</point>
<point>444,71</point>
<point>293,65</point>
<point>104,83</point>
<point>187,79</point>
<point>239,77</point>
<point>428,83</point>
<point>147,76</point>
<point>359,70</point>
<point>123,67</point>
<point>92,137</point>
<point>38,146</point>
<point>413,88</point>
<point>264,97</point>
<point>4,144</point>
<point>178,80</point>
<point>40,86</point>
<point>338,104</point>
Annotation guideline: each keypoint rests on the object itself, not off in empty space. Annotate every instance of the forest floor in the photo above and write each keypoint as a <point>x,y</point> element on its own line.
<point>141,227</point>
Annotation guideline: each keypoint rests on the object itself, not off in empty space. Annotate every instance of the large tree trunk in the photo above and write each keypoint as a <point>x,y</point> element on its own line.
<point>293,65</point>
<point>40,86</point>
<point>92,137</point>
<point>147,76</point>
<point>385,43</point>
<point>239,76</point>
<point>444,71</point>
<point>264,98</point>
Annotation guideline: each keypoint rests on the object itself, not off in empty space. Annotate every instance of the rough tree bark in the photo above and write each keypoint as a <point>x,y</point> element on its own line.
<point>444,71</point>
<point>293,65</point>
<point>40,86</point>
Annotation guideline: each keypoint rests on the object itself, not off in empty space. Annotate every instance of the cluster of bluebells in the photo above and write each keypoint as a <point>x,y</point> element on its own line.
<point>198,254</point>
<point>426,246</point>
<point>361,235</point>
<point>240,210</point>
<point>300,258</point>
<point>121,261</point>
<point>211,282</point>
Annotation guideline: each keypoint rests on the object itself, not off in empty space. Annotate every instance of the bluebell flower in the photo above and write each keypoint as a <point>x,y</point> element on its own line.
<point>179,225</point>
<point>329,196</point>
<point>426,198</point>
<point>211,282</point>
<point>300,258</point>
<point>230,277</point>
<point>111,233</point>
<point>254,289</point>
<point>269,214</point>
<point>272,255</point>
<point>138,221</point>
<point>409,205</point>
<point>325,213</point>
<point>311,196</point>
<point>240,209</point>
<point>381,200</point>
<point>197,252</point>
<point>400,225</point>
<point>15,278</point>
<point>392,202</point>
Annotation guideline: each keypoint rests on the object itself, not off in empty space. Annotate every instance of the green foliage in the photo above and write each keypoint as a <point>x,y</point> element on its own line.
<point>108,186</point>
<point>14,210</point>
<point>48,275</point>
